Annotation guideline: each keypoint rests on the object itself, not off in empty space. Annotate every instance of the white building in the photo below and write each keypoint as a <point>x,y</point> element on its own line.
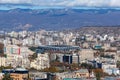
<point>41,62</point>
<point>2,61</point>
<point>108,65</point>
<point>111,71</point>
<point>14,49</point>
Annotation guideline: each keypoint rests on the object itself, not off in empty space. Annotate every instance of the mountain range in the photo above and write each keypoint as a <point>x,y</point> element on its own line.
<point>57,19</point>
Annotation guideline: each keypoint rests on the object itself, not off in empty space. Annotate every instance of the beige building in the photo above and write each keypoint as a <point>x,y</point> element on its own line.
<point>82,73</point>
<point>118,55</point>
<point>85,45</point>
<point>86,54</point>
<point>17,76</point>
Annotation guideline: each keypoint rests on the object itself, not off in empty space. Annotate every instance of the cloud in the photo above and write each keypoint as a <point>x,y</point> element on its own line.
<point>15,1</point>
<point>91,3</point>
<point>66,3</point>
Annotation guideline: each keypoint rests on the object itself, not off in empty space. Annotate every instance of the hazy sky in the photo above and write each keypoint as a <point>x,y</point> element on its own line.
<point>34,4</point>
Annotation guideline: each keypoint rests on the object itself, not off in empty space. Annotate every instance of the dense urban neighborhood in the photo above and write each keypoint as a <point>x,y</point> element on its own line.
<point>87,53</point>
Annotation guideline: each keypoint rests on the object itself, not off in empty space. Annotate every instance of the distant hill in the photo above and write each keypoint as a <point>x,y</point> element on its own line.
<point>57,19</point>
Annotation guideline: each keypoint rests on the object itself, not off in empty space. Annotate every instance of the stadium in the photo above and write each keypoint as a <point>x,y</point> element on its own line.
<point>57,49</point>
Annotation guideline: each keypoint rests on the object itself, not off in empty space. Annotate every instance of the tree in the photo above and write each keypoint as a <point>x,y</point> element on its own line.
<point>1,68</point>
<point>118,64</point>
<point>32,57</point>
<point>98,76</point>
<point>88,66</point>
<point>33,49</point>
<point>57,58</point>
<point>7,67</point>
<point>74,66</point>
<point>7,77</point>
<point>98,73</point>
<point>1,48</point>
<point>51,69</point>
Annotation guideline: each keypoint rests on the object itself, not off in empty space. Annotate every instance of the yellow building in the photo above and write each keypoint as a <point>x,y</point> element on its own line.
<point>17,74</point>
<point>82,73</point>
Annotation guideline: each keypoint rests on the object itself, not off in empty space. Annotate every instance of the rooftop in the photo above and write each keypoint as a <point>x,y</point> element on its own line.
<point>82,71</point>
<point>57,48</point>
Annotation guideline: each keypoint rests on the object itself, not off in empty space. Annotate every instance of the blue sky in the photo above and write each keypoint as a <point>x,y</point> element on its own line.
<point>38,4</point>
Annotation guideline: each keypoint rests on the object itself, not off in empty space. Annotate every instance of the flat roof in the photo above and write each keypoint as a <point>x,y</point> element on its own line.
<point>58,47</point>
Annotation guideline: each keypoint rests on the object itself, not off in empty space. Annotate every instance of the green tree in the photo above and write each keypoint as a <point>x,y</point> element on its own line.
<point>1,68</point>
<point>33,49</point>
<point>32,57</point>
<point>7,77</point>
<point>88,66</point>
<point>7,67</point>
<point>98,76</point>
<point>118,64</point>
